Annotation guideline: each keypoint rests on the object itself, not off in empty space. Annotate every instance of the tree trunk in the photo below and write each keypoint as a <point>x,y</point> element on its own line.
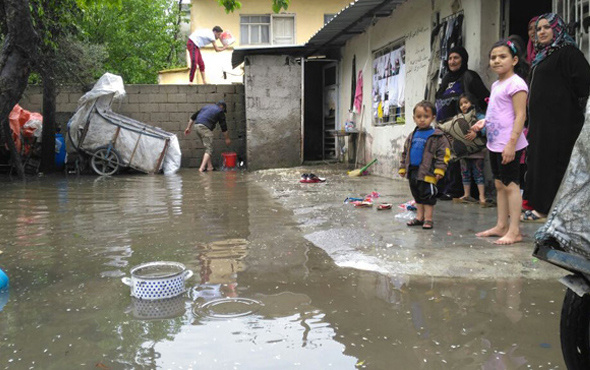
<point>20,45</point>
<point>48,135</point>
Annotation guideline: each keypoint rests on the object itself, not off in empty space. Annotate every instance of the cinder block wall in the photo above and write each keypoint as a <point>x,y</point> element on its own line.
<point>168,107</point>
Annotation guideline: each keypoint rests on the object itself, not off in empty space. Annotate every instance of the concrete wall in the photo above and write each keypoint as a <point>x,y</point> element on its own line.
<point>411,23</point>
<point>168,107</point>
<point>273,103</point>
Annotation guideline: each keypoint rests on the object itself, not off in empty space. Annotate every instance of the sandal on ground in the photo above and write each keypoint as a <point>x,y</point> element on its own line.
<point>468,199</point>
<point>415,222</point>
<point>530,216</point>
<point>428,224</point>
<point>489,203</point>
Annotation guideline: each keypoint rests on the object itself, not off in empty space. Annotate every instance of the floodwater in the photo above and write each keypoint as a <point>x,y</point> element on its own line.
<point>270,288</point>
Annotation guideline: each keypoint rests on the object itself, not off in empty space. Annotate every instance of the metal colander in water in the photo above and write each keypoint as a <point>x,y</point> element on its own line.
<point>158,280</point>
<point>158,271</point>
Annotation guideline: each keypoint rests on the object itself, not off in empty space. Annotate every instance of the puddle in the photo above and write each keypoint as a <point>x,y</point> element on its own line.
<point>228,308</point>
<point>66,242</point>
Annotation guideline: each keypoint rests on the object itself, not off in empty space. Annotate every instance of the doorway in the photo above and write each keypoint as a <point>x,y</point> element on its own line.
<point>320,109</point>
<point>518,13</point>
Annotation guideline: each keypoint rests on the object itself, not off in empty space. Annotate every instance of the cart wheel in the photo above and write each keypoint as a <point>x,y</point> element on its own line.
<point>105,161</point>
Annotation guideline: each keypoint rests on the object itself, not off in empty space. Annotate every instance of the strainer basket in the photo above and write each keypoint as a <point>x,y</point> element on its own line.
<point>157,280</point>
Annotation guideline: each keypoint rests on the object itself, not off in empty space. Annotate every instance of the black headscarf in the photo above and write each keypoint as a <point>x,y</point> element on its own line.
<point>451,76</point>
<point>471,83</point>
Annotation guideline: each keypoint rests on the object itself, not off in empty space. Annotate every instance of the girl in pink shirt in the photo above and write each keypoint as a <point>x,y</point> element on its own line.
<point>504,123</point>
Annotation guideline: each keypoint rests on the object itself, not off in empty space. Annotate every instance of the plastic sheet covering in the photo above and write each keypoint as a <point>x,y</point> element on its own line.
<point>568,223</point>
<point>24,125</point>
<point>172,159</point>
<point>139,146</point>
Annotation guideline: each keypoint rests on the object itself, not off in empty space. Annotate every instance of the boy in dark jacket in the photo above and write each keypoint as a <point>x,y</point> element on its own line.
<point>424,162</point>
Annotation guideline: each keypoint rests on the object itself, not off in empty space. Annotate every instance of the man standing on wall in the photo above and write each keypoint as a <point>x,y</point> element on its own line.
<point>196,41</point>
<point>205,120</point>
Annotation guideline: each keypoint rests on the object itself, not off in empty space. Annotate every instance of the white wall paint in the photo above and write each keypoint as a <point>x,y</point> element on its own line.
<point>412,22</point>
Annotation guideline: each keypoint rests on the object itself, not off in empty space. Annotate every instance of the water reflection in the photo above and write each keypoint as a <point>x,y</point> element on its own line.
<point>157,309</point>
<point>66,243</point>
<point>4,295</point>
<point>219,263</point>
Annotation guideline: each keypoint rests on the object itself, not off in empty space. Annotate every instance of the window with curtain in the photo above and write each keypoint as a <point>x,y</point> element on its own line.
<point>267,29</point>
<point>255,29</point>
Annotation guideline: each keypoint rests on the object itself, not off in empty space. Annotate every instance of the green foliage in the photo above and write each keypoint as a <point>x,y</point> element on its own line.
<point>85,4</point>
<point>231,5</point>
<point>53,19</point>
<point>140,37</point>
<point>277,5</point>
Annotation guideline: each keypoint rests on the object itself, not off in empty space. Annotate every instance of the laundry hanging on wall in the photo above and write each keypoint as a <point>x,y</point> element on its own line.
<point>358,92</point>
<point>447,34</point>
<point>389,79</point>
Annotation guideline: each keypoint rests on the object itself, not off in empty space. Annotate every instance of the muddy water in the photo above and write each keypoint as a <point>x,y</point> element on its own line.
<point>262,295</point>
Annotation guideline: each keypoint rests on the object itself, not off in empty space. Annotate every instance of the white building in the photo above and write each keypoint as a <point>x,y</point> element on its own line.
<point>358,39</point>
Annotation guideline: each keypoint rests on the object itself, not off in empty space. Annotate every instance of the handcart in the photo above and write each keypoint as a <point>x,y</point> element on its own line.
<point>113,141</point>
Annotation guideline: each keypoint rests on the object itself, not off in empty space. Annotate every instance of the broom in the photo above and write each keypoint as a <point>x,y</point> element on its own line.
<point>360,171</point>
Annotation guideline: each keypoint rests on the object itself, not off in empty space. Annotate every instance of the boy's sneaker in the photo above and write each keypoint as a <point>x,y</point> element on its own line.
<point>443,196</point>
<point>313,178</point>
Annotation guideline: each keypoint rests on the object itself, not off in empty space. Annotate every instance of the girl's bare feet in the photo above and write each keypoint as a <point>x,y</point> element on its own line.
<point>509,238</point>
<point>494,231</point>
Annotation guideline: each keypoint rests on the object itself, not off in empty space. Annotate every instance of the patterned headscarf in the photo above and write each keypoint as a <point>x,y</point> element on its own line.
<point>560,37</point>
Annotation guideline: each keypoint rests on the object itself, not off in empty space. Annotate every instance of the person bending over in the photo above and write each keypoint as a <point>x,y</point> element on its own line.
<point>205,121</point>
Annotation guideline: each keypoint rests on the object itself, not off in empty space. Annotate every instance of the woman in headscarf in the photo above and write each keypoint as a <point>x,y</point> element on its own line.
<point>457,81</point>
<point>559,88</point>
<point>530,48</point>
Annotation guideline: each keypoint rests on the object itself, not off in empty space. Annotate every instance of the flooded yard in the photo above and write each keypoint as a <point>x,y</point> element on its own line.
<point>284,277</point>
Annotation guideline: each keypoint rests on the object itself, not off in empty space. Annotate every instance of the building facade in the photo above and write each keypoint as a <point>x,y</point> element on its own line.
<point>254,25</point>
<point>376,37</point>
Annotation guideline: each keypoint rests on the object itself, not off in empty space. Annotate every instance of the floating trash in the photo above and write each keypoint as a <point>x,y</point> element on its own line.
<point>228,308</point>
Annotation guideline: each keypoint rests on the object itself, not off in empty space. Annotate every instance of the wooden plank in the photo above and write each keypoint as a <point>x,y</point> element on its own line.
<point>134,149</point>
<point>162,155</point>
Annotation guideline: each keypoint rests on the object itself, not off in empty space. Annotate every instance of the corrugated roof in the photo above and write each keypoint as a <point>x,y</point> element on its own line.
<point>237,56</point>
<point>350,21</point>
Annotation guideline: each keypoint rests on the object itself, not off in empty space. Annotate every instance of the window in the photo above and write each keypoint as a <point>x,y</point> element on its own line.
<point>389,82</point>
<point>267,29</point>
<point>283,30</point>
<point>328,17</point>
<point>254,29</point>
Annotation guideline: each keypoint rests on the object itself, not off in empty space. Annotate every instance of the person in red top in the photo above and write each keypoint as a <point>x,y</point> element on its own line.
<point>196,41</point>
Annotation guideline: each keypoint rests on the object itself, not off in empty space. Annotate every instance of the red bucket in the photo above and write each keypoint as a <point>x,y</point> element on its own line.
<point>229,159</point>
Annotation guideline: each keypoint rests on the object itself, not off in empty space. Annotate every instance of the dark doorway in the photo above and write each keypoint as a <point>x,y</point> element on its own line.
<point>520,13</point>
<point>313,111</point>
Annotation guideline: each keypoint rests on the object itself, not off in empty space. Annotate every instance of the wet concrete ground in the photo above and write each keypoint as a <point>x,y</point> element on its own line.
<point>286,276</point>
